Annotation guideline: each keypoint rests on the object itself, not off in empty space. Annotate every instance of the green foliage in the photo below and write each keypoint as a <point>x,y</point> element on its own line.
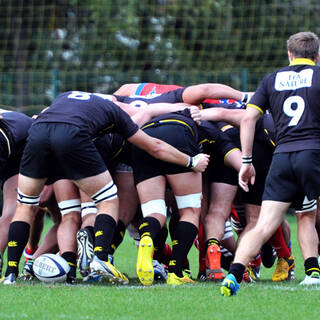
<point>51,47</point>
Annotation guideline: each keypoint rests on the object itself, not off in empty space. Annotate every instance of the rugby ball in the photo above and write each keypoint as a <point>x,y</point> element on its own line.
<point>51,268</point>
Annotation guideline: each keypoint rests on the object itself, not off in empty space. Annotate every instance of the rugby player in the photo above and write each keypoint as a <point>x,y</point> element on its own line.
<point>64,134</point>
<point>292,95</point>
<point>151,175</point>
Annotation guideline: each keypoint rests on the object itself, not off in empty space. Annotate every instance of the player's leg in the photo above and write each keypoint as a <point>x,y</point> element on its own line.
<point>103,192</point>
<point>308,241</point>
<point>271,216</point>
<point>29,190</point>
<point>128,203</point>
<point>85,235</point>
<point>9,207</point>
<point>187,188</point>
<point>151,194</point>
<point>221,198</point>
<point>68,198</point>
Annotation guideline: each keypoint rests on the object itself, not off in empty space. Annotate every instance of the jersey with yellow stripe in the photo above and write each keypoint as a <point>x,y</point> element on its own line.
<point>213,141</point>
<point>292,95</point>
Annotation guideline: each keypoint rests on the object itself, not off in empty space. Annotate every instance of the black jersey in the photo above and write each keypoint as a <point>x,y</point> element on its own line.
<point>93,112</point>
<point>174,96</point>
<point>14,126</point>
<point>182,117</point>
<point>213,141</point>
<point>292,94</point>
<point>233,105</point>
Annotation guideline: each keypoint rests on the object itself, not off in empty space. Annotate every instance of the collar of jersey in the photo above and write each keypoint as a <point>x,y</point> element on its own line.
<point>301,61</point>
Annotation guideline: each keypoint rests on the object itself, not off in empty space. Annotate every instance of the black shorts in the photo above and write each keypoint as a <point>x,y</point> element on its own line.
<point>218,171</point>
<point>221,173</point>
<point>293,175</point>
<point>9,165</point>
<point>261,159</point>
<point>145,166</point>
<point>60,151</point>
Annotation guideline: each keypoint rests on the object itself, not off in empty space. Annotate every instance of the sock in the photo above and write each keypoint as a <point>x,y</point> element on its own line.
<point>159,243</point>
<point>28,253</point>
<point>17,240</point>
<point>311,265</point>
<point>70,257</point>
<point>237,269</point>
<point>278,243</point>
<point>104,228</point>
<point>173,223</point>
<point>211,241</point>
<point>202,251</point>
<point>226,259</point>
<point>183,239</point>
<point>149,226</point>
<point>118,236</point>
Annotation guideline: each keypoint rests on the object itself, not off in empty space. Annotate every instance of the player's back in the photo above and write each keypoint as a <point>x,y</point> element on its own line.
<point>293,93</point>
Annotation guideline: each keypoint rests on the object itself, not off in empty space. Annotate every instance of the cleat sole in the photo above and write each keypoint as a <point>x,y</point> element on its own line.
<point>144,267</point>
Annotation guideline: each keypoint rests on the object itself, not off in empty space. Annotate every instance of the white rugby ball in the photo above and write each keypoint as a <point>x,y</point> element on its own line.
<point>51,268</point>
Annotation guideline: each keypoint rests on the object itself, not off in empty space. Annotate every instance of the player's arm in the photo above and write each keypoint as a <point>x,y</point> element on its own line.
<point>197,93</point>
<point>165,152</point>
<point>127,89</point>
<point>232,116</point>
<point>234,159</point>
<point>146,113</point>
<point>247,130</point>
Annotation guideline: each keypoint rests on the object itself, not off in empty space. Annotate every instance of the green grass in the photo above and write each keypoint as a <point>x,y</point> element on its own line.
<point>262,300</point>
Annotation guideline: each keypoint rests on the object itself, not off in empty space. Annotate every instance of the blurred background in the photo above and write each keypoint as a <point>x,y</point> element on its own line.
<point>48,47</point>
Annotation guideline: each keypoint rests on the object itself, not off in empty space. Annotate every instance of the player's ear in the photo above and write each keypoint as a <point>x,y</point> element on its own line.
<point>318,57</point>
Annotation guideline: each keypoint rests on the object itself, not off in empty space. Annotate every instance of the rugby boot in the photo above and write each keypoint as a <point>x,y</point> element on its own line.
<point>145,270</point>
<point>160,273</point>
<point>213,263</point>
<point>85,251</point>
<point>229,286</point>
<point>282,271</point>
<point>9,280</point>
<point>173,279</point>
<point>313,279</point>
<point>27,271</point>
<point>106,269</point>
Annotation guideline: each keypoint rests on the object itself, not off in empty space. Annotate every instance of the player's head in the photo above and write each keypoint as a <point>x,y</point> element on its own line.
<point>304,45</point>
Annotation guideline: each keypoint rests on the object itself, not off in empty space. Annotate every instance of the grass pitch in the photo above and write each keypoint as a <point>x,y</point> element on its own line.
<point>261,300</point>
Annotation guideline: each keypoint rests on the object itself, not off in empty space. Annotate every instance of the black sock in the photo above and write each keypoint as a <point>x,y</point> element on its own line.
<point>104,228</point>
<point>118,236</point>
<point>237,269</point>
<point>211,241</point>
<point>149,226</point>
<point>159,243</point>
<point>17,240</point>
<point>311,265</point>
<point>183,239</point>
<point>173,223</point>
<point>70,257</point>
<point>226,261</point>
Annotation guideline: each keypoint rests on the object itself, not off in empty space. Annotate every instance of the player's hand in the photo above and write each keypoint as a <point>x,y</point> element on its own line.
<point>195,114</point>
<point>200,162</point>
<point>247,174</point>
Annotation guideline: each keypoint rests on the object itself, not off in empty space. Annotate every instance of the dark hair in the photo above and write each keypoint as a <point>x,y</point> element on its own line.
<point>304,45</point>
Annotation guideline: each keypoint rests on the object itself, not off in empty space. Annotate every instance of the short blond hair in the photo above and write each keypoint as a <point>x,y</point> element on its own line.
<point>304,45</point>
